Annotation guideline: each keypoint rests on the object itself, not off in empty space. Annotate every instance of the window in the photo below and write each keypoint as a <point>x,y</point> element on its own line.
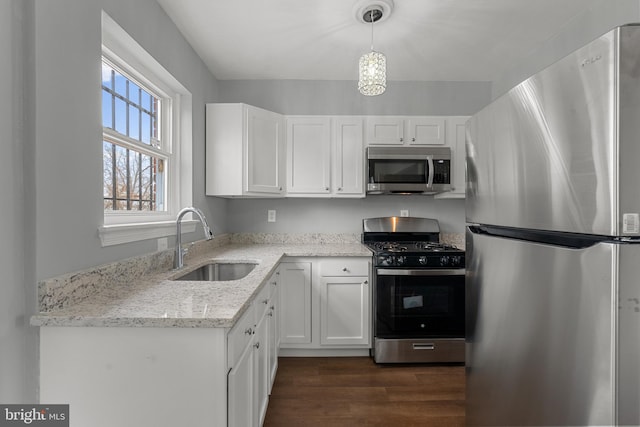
<point>146,137</point>
<point>134,150</point>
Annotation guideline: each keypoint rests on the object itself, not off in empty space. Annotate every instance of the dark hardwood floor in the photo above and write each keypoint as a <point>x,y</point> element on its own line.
<point>354,391</point>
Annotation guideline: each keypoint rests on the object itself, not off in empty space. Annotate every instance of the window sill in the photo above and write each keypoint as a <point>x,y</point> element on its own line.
<point>126,233</point>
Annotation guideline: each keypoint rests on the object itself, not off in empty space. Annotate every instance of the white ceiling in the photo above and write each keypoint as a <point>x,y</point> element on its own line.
<point>424,40</point>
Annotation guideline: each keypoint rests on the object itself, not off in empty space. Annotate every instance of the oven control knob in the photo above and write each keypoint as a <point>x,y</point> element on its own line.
<point>422,260</point>
<point>400,260</point>
<point>445,261</point>
<point>456,261</point>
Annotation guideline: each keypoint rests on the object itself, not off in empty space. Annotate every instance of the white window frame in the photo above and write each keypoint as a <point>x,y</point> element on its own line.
<point>128,226</point>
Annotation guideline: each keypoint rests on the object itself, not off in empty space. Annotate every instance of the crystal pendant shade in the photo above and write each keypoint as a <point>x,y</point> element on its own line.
<point>373,73</point>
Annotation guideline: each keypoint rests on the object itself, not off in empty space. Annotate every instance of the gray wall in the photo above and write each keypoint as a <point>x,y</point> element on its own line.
<point>602,16</point>
<point>68,158</point>
<point>51,164</point>
<point>342,98</point>
<point>16,384</point>
<point>339,215</point>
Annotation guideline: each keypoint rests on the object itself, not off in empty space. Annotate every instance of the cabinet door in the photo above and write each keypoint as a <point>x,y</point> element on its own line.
<point>348,157</point>
<point>344,311</point>
<point>240,390</point>
<point>265,151</point>
<point>426,130</point>
<point>261,379</point>
<point>274,328</point>
<point>384,130</point>
<point>295,303</point>
<point>456,140</point>
<point>308,155</point>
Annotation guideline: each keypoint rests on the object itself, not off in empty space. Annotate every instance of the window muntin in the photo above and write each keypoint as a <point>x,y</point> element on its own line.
<point>135,153</point>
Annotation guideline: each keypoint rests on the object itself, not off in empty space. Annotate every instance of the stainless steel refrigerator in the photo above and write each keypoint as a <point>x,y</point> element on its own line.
<point>553,241</point>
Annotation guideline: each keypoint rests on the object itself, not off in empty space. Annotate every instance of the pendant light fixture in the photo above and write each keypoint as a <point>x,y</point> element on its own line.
<point>372,77</point>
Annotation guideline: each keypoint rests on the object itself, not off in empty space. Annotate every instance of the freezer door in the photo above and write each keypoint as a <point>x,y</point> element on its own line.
<point>628,354</point>
<point>540,333</point>
<point>542,155</point>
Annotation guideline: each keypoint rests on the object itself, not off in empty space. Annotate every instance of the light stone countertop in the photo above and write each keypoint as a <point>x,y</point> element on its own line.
<point>141,293</point>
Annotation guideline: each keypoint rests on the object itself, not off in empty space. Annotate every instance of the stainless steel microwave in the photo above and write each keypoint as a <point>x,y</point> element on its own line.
<point>408,170</point>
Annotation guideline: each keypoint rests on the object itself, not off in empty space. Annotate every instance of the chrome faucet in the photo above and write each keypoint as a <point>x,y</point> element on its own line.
<point>208,234</point>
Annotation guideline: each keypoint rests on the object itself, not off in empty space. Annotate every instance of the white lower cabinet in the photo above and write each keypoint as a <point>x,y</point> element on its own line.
<point>262,375</point>
<point>274,327</point>
<point>344,310</point>
<point>326,303</point>
<point>295,303</point>
<point>240,393</point>
<point>252,362</point>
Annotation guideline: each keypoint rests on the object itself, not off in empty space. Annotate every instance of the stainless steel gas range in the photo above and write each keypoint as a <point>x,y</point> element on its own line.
<point>419,306</point>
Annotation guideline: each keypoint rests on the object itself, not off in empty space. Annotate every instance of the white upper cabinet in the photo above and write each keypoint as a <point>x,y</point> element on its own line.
<point>325,156</point>
<point>405,130</point>
<point>384,130</point>
<point>347,159</point>
<point>308,155</point>
<point>425,130</point>
<point>245,148</point>
<point>456,134</point>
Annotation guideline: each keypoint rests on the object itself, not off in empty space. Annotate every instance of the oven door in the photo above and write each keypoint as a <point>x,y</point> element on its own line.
<point>414,303</point>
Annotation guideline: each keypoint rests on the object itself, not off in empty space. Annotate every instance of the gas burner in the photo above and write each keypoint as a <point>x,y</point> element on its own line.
<point>434,247</point>
<point>389,247</point>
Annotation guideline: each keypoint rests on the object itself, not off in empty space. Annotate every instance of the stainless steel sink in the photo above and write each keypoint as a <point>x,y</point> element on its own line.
<point>219,271</point>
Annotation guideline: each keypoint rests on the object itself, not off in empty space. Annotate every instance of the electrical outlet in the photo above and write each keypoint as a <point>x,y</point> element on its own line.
<point>271,215</point>
<point>404,212</point>
<point>163,244</point>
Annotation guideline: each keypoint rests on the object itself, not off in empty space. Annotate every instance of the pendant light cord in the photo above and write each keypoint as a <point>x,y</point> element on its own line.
<point>371,29</point>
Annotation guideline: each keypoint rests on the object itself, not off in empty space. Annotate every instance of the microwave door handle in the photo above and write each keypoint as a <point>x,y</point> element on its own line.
<point>430,173</point>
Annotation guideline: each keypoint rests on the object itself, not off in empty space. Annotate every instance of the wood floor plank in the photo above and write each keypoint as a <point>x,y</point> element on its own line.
<point>354,391</point>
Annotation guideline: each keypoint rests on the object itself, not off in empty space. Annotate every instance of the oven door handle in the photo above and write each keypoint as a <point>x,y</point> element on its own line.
<point>414,272</point>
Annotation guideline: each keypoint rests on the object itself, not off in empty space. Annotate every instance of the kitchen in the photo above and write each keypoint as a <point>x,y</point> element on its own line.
<point>53,211</point>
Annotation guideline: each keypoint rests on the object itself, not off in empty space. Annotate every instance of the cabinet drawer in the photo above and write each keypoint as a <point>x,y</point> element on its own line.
<point>240,335</point>
<point>262,301</point>
<point>344,267</point>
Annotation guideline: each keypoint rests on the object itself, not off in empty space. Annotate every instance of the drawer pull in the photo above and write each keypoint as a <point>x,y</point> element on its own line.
<point>425,346</point>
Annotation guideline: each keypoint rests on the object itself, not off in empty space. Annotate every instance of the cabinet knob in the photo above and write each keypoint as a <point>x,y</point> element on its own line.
<point>280,188</point>
<point>257,345</point>
<point>413,139</point>
<point>265,301</point>
<point>274,283</point>
<point>248,331</point>
<point>366,282</point>
<point>345,269</point>
<point>270,314</point>
<point>339,188</point>
<point>326,188</point>
<point>401,139</point>
<point>273,307</point>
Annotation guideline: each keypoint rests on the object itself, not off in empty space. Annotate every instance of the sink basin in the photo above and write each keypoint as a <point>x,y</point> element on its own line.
<point>219,271</point>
